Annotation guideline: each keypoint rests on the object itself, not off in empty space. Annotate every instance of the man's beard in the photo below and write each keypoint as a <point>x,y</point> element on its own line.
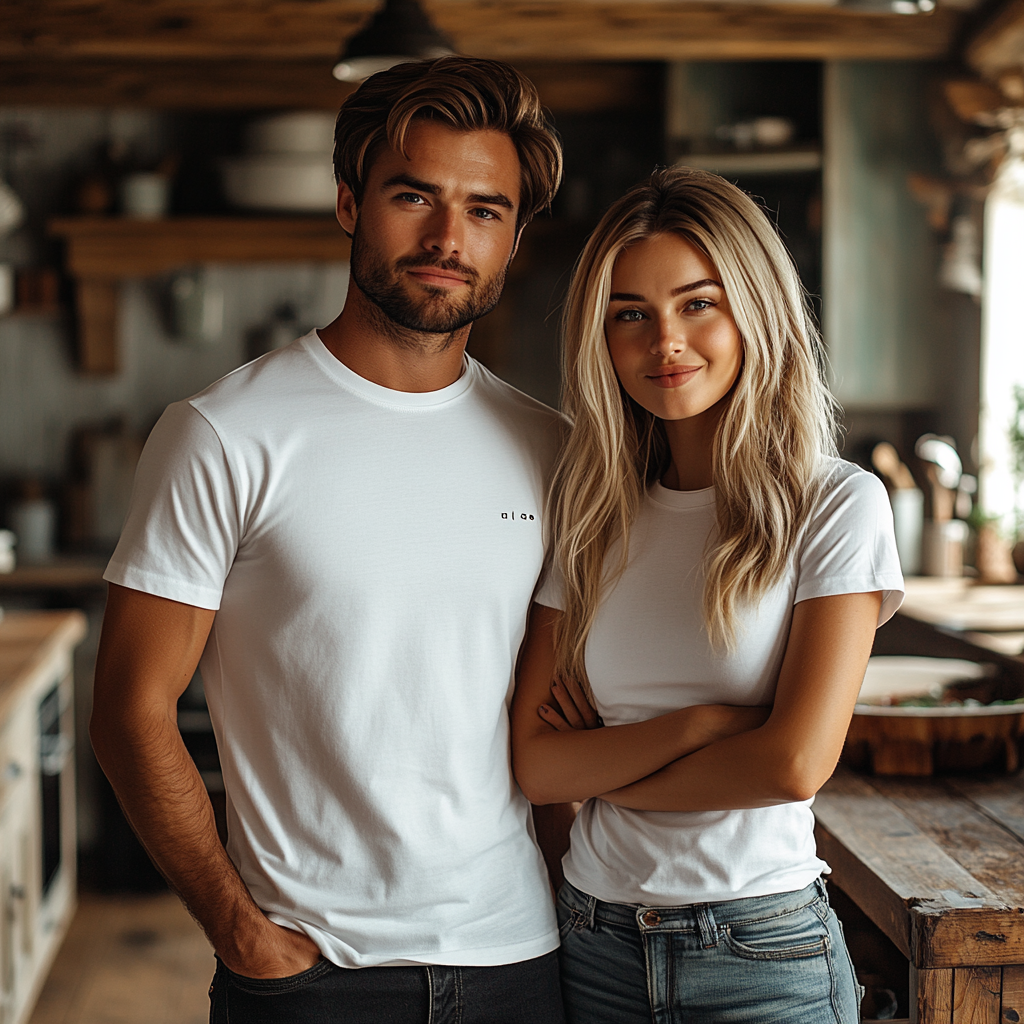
<point>434,311</point>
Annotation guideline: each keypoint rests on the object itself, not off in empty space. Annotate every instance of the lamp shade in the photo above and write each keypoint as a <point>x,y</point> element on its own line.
<point>400,31</point>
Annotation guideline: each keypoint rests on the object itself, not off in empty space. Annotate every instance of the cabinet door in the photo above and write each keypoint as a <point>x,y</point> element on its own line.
<point>16,925</point>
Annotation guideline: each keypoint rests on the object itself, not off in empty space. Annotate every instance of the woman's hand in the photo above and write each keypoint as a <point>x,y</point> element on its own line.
<point>569,708</point>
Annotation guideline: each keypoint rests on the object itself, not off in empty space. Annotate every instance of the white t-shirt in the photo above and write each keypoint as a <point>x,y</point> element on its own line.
<point>372,555</point>
<point>648,654</point>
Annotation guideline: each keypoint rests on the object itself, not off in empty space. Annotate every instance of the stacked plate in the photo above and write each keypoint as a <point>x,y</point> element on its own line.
<point>288,167</point>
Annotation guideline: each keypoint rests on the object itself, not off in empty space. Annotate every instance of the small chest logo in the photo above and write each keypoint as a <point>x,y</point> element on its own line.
<point>516,515</point>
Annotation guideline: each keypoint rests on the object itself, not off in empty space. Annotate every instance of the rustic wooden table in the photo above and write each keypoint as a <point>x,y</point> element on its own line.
<point>938,865</point>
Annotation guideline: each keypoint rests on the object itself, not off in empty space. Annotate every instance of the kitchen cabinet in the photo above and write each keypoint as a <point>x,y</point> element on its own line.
<point>37,801</point>
<point>103,251</point>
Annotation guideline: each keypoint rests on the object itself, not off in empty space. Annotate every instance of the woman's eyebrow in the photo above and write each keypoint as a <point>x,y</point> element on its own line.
<point>696,284</point>
<point>633,297</point>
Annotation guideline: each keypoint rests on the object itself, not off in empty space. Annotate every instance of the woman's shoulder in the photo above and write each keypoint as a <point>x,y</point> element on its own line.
<point>848,499</point>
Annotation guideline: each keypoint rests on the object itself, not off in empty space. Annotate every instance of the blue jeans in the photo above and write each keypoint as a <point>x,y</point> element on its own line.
<point>522,993</point>
<point>765,960</point>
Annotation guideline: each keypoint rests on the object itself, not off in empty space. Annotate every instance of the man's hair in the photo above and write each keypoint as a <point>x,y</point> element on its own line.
<point>464,93</point>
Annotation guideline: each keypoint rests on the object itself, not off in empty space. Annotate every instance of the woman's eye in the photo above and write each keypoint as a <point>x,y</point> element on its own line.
<point>629,316</point>
<point>699,304</point>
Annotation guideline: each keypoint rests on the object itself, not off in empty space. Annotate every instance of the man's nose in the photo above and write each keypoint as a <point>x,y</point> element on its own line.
<point>443,235</point>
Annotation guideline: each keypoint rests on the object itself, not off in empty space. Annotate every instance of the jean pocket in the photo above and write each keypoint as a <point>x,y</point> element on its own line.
<point>798,935</point>
<point>278,986</point>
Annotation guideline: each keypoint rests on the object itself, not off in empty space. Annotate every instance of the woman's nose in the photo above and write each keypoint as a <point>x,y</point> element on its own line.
<point>667,341</point>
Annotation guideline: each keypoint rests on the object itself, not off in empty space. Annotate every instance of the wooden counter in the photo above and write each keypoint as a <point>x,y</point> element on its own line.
<point>37,800</point>
<point>938,865</point>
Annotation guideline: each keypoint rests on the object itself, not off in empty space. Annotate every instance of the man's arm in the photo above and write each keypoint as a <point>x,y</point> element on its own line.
<point>795,752</point>
<point>149,649</point>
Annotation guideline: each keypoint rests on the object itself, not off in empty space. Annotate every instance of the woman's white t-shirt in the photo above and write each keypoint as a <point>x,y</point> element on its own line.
<point>648,654</point>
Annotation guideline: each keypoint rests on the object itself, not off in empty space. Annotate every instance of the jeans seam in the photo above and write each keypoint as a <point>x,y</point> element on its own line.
<point>430,996</point>
<point>821,909</point>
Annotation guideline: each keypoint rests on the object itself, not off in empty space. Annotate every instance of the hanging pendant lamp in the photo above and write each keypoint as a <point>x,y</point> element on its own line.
<point>399,31</point>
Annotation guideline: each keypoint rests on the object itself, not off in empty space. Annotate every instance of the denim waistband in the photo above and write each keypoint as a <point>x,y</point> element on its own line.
<point>702,918</point>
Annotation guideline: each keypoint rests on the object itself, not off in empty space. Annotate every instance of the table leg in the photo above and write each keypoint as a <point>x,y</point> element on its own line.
<point>976,995</point>
<point>1013,994</point>
<point>931,996</point>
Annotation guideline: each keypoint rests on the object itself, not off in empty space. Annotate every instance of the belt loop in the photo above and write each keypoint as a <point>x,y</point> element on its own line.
<point>588,914</point>
<point>706,926</point>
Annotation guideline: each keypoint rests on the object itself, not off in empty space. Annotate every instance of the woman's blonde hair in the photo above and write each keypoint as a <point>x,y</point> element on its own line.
<point>770,443</point>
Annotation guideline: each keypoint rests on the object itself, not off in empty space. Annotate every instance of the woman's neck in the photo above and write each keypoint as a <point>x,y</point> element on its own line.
<point>691,443</point>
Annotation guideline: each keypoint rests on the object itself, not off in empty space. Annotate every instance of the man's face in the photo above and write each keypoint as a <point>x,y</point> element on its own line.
<point>435,230</point>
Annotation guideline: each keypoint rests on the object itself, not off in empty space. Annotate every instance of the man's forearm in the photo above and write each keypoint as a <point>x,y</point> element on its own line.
<point>164,799</point>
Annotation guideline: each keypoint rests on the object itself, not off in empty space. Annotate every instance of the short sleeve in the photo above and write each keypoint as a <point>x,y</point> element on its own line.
<point>551,592</point>
<point>183,525</point>
<point>850,545</point>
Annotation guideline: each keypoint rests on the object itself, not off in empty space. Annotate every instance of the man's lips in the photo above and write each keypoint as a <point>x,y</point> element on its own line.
<point>671,376</point>
<point>437,278</point>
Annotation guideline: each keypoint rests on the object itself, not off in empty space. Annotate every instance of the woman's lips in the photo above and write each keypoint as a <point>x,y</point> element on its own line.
<point>671,376</point>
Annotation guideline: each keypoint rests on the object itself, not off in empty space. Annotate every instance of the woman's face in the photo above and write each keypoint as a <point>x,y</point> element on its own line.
<point>671,335</point>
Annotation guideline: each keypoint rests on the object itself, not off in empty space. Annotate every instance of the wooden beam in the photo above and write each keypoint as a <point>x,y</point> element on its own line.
<point>311,30</point>
<point>172,85</point>
<point>998,45</point>
<point>580,87</point>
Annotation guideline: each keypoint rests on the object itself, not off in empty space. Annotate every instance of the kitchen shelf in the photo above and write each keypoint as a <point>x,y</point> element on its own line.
<point>103,251</point>
<point>787,161</point>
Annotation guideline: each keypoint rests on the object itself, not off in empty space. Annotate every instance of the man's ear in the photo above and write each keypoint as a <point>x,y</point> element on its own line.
<point>515,247</point>
<point>346,209</point>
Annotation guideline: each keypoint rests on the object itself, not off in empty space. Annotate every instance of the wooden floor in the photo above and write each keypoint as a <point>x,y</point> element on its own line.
<point>129,960</point>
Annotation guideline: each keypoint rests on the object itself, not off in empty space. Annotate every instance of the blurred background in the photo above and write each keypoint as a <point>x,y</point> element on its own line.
<point>166,204</point>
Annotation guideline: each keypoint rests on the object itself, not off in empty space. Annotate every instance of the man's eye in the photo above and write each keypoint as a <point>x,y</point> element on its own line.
<point>410,197</point>
<point>485,214</point>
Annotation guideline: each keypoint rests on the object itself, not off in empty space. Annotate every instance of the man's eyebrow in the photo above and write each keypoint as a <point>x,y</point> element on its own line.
<point>410,182</point>
<point>499,199</point>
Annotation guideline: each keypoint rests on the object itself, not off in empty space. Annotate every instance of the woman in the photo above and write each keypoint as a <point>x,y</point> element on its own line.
<point>718,576</point>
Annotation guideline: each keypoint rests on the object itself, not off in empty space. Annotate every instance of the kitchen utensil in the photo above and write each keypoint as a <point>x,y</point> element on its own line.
<point>886,460</point>
<point>941,452</point>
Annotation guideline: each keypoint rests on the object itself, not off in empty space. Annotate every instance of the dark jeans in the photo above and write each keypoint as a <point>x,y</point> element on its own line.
<point>523,993</point>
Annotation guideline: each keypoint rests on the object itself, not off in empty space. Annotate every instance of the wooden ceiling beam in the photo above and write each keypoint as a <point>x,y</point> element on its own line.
<point>584,87</point>
<point>998,46</point>
<point>310,30</point>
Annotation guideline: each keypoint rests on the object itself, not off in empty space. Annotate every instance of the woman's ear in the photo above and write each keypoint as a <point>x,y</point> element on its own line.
<point>346,209</point>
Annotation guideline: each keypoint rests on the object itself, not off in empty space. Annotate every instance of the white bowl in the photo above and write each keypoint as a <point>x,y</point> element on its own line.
<point>901,678</point>
<point>302,183</point>
<point>304,131</point>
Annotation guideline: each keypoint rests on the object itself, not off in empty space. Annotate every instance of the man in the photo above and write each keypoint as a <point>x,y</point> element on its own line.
<point>348,533</point>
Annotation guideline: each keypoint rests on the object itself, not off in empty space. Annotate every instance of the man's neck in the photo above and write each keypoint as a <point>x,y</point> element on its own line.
<point>376,348</point>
